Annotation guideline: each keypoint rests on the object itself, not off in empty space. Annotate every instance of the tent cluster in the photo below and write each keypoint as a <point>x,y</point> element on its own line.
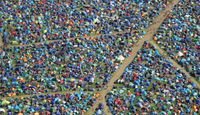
<point>78,61</point>
<point>151,84</point>
<point>179,36</point>
<point>57,104</point>
<point>29,21</point>
<point>63,65</point>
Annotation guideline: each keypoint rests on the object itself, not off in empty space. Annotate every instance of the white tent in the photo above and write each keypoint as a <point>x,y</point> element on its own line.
<point>2,110</point>
<point>180,54</point>
<point>121,58</point>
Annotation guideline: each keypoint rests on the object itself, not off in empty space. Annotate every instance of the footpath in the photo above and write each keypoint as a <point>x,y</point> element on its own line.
<point>150,32</point>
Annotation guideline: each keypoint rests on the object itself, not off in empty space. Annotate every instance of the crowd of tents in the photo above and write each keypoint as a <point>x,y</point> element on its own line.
<point>86,52</point>
<point>152,84</point>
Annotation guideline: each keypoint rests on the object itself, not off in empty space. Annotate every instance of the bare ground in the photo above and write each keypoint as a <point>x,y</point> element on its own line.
<point>1,40</point>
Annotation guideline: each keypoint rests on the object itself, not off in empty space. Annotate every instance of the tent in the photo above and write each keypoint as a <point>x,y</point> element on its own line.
<point>121,58</point>
<point>2,110</point>
<point>5,102</point>
<point>180,54</point>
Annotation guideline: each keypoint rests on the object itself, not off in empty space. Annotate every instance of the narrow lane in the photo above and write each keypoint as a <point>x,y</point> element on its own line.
<point>88,37</point>
<point>1,39</point>
<point>52,93</point>
<point>175,63</point>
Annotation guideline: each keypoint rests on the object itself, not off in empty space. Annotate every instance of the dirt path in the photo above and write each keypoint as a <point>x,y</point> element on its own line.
<point>150,32</point>
<point>52,93</point>
<point>88,37</point>
<point>1,40</point>
<point>175,63</point>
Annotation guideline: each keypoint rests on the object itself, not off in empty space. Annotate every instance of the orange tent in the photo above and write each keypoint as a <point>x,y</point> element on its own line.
<point>155,38</point>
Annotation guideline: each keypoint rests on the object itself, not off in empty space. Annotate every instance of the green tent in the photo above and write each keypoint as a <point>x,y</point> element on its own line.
<point>5,102</point>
